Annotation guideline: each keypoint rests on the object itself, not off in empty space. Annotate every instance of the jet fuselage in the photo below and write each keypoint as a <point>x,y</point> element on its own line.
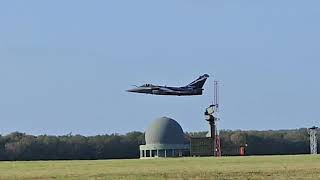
<point>194,88</point>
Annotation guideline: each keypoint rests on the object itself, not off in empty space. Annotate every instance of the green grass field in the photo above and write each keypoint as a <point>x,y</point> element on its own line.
<point>264,167</point>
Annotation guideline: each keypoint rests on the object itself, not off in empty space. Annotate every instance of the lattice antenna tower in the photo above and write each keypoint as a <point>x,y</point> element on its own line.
<point>313,140</point>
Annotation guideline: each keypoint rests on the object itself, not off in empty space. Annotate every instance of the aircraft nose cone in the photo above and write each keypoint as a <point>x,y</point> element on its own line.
<point>132,90</point>
<point>137,90</point>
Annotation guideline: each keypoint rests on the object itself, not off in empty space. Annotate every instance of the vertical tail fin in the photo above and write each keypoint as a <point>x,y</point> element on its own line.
<point>199,83</point>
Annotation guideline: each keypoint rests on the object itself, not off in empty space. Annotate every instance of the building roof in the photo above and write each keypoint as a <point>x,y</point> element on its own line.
<point>164,131</point>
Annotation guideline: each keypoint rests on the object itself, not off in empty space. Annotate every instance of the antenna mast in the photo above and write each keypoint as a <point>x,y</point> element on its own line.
<point>216,118</point>
<point>212,117</point>
<point>216,96</point>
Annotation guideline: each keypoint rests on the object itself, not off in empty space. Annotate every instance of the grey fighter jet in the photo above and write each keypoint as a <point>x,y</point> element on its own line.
<point>192,89</point>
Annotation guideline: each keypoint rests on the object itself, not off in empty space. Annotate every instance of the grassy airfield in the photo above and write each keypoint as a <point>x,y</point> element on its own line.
<point>264,167</point>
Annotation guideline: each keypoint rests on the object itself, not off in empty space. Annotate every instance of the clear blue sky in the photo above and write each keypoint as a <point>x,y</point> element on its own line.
<point>65,65</point>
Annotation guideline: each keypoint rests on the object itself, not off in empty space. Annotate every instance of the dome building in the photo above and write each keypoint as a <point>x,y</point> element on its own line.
<point>164,138</point>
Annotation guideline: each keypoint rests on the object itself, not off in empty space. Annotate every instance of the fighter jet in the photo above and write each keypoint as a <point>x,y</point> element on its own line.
<point>192,89</point>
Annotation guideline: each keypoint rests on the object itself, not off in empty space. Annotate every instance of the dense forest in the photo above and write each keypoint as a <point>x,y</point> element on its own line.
<point>20,146</point>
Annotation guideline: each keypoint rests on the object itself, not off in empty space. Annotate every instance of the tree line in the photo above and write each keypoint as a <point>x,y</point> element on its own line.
<point>20,146</point>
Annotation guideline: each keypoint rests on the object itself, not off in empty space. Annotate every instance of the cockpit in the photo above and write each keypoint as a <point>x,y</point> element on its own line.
<point>147,85</point>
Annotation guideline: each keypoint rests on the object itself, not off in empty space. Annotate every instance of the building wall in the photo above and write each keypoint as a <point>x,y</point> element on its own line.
<point>164,150</point>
